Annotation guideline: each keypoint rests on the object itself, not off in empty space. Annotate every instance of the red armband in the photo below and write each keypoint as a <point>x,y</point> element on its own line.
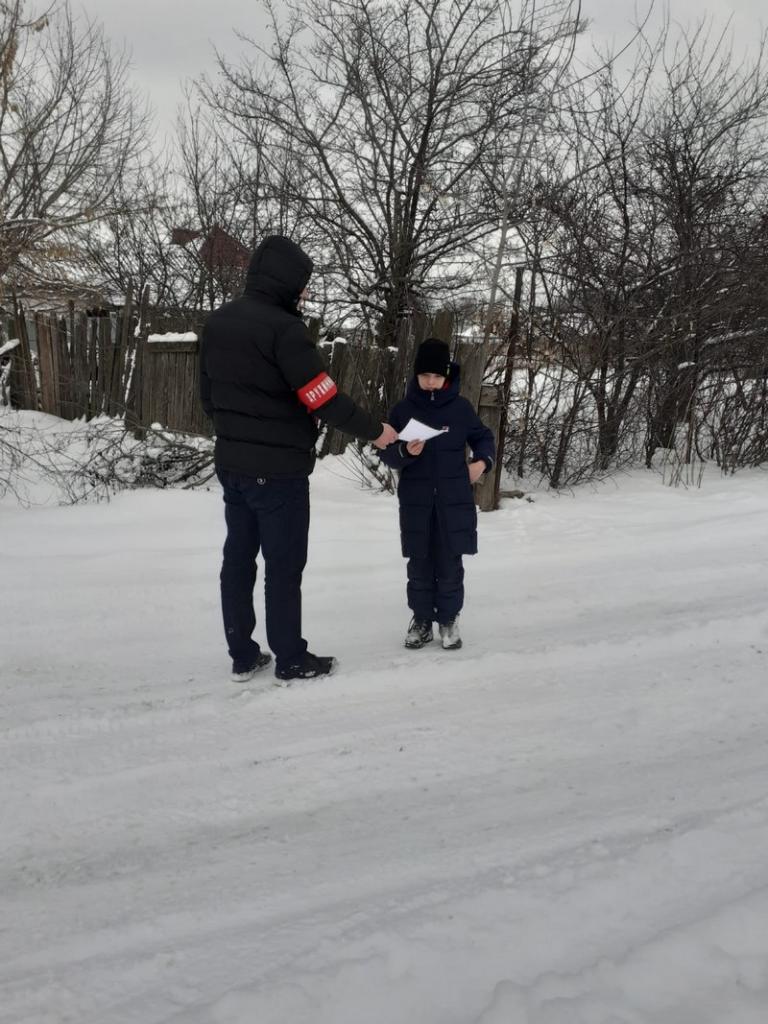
<point>320,390</point>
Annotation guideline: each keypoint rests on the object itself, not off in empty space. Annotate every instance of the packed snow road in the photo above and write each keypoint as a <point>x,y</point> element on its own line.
<point>566,822</point>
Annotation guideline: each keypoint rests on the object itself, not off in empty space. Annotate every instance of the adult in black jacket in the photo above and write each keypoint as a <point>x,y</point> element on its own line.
<point>263,382</point>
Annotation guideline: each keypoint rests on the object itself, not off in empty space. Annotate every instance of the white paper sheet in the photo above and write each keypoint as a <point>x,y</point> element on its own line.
<point>415,430</point>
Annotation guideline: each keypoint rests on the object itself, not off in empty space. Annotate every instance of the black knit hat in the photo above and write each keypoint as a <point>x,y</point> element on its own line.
<point>433,356</point>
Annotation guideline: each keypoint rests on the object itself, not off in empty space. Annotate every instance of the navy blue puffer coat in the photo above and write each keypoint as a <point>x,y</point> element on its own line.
<point>439,477</point>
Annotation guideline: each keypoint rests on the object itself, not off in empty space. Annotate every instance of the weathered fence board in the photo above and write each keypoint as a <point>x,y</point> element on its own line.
<point>23,383</point>
<point>81,368</point>
<point>49,369</point>
<point>491,412</point>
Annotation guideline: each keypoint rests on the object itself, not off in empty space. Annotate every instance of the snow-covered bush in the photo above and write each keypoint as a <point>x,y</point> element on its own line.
<point>46,458</point>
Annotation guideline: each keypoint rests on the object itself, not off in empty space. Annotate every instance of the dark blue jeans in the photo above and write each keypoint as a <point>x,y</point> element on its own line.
<point>436,583</point>
<point>271,515</point>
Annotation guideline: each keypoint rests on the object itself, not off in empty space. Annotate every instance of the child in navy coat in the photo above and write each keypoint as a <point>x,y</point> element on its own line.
<point>438,518</point>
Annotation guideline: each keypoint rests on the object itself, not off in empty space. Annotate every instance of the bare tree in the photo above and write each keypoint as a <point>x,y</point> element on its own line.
<point>195,217</point>
<point>643,325</point>
<point>705,170</point>
<point>386,113</point>
<point>129,249</point>
<point>71,132</point>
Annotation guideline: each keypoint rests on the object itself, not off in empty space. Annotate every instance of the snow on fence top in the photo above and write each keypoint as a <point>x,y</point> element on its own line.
<point>189,336</point>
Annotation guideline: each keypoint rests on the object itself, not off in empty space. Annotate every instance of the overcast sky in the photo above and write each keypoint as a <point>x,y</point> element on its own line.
<point>171,40</point>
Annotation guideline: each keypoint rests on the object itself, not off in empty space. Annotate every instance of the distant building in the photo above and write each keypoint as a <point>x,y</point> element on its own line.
<point>218,250</point>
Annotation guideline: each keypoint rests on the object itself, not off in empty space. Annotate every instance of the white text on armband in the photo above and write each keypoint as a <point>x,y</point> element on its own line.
<point>317,392</point>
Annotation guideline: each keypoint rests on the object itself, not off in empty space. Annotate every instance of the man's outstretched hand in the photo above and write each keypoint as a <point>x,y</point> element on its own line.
<point>387,436</point>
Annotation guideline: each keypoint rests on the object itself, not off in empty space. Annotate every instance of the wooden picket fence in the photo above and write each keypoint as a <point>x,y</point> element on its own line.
<point>73,365</point>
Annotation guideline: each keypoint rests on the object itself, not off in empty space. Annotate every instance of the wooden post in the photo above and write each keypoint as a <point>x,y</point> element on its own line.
<point>470,355</point>
<point>81,364</point>
<point>513,338</point>
<point>313,326</point>
<point>62,341</point>
<point>93,366</point>
<point>442,325</point>
<point>345,381</point>
<point>201,423</point>
<point>490,412</point>
<point>122,356</point>
<point>134,412</point>
<point>48,364</point>
<point>23,381</point>
<point>412,329</point>
<point>106,360</point>
<point>334,354</point>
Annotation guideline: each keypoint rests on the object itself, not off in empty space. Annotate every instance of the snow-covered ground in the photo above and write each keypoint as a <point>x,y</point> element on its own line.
<point>566,822</point>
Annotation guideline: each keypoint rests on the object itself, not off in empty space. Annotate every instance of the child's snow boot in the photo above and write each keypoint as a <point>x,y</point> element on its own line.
<point>449,635</point>
<point>419,633</point>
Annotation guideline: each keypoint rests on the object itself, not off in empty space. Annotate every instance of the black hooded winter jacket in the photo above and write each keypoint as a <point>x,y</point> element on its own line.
<point>262,379</point>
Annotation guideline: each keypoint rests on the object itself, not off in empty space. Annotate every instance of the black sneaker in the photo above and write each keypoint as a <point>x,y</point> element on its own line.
<point>262,660</point>
<point>419,633</point>
<point>310,667</point>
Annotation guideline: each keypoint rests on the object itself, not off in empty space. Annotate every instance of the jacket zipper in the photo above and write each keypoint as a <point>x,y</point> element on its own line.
<point>432,398</point>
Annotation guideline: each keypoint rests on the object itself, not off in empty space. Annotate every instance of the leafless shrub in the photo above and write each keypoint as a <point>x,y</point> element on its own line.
<point>90,461</point>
